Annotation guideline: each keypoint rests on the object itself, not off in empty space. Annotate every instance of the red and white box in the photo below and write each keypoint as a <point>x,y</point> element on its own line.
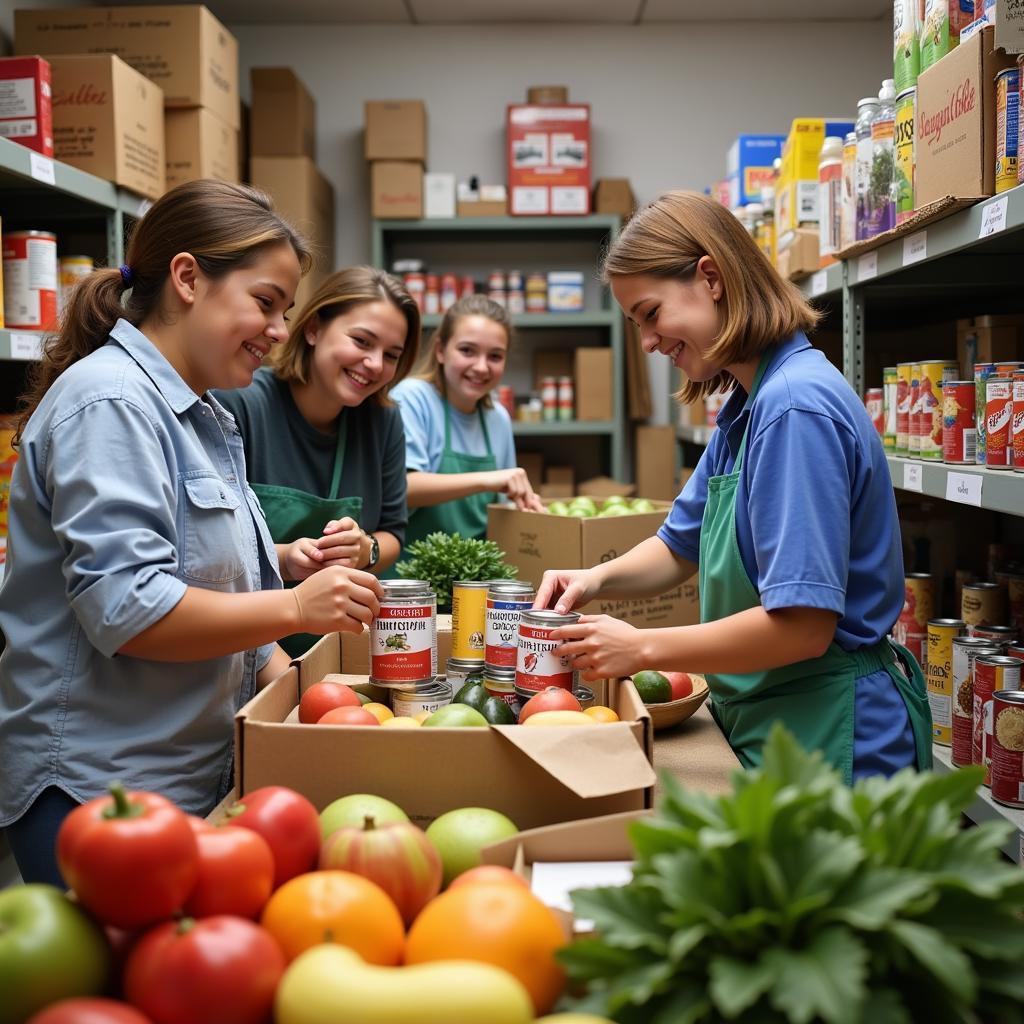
<point>26,107</point>
<point>549,159</point>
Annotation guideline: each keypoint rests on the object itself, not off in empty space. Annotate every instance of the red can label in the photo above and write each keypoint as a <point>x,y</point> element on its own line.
<point>902,408</point>
<point>998,416</point>
<point>874,402</point>
<point>1018,422</point>
<point>1007,751</point>
<point>959,436</point>
<point>988,679</point>
<point>502,631</point>
<point>913,419</point>
<point>403,643</point>
<point>536,667</point>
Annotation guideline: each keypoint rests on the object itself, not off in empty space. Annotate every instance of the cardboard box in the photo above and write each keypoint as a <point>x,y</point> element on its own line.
<point>614,195</point>
<point>535,776</point>
<point>183,48</point>
<point>561,476</point>
<point>594,381</point>
<point>955,123</point>
<point>796,192</point>
<point>533,463</point>
<point>987,339</point>
<point>549,159</point>
<point>551,362</point>
<point>283,114</point>
<point>1008,18</point>
<point>396,188</point>
<point>482,208</point>
<point>656,458</point>
<point>199,145</point>
<point>396,130</point>
<point>800,255</point>
<point>26,108</point>
<point>749,165</point>
<point>547,94</point>
<point>600,487</point>
<point>438,195</point>
<point>557,491</point>
<point>109,120</point>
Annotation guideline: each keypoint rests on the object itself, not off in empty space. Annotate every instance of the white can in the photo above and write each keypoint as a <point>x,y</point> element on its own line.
<point>428,696</point>
<point>506,602</point>
<point>30,280</point>
<point>536,667</point>
<point>403,636</point>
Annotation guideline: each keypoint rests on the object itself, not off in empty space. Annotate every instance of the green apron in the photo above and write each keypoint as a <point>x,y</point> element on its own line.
<point>814,699</point>
<point>292,514</point>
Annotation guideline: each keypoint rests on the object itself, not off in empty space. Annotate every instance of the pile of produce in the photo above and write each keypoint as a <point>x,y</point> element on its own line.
<point>582,507</point>
<point>443,558</point>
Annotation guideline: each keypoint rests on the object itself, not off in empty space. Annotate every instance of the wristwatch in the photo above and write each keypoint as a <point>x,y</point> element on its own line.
<point>374,552</point>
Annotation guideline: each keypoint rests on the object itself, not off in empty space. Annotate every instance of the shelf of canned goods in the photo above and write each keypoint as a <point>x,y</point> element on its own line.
<point>998,490</point>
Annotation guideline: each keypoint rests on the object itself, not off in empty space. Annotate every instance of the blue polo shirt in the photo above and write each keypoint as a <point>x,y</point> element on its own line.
<point>816,520</point>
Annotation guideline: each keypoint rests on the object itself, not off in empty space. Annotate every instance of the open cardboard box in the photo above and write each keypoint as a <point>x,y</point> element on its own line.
<point>535,776</point>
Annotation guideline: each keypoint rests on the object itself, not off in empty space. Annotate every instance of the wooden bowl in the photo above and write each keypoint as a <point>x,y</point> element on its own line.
<point>663,716</point>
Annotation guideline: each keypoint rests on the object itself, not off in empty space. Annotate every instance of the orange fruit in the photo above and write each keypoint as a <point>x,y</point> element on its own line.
<point>379,711</point>
<point>493,923</point>
<point>493,873</point>
<point>600,713</point>
<point>335,906</point>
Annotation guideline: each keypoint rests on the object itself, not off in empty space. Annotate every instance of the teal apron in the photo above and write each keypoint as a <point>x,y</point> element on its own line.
<point>814,699</point>
<point>292,514</point>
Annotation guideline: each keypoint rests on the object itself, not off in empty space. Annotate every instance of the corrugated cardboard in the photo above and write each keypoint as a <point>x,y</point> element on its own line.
<point>533,463</point>
<point>798,253</point>
<point>183,48</point>
<point>600,487</point>
<point>656,458</point>
<point>638,378</point>
<point>396,130</point>
<point>564,476</point>
<point>955,124</point>
<point>987,339</point>
<point>109,120</point>
<point>199,145</point>
<point>594,380</point>
<point>535,776</point>
<point>547,94</point>
<point>283,114</point>
<point>614,195</point>
<point>556,490</point>
<point>396,188</point>
<point>482,208</point>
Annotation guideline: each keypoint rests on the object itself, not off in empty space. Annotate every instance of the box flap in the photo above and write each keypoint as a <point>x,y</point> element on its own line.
<point>600,761</point>
<point>603,838</point>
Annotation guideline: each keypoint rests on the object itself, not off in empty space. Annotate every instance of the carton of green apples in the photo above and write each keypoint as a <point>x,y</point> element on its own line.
<point>582,507</point>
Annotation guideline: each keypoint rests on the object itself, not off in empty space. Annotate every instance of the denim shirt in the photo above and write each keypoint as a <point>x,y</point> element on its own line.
<point>128,489</point>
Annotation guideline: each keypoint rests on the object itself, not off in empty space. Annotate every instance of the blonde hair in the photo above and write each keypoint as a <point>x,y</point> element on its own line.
<point>758,308</point>
<point>471,305</point>
<point>343,291</point>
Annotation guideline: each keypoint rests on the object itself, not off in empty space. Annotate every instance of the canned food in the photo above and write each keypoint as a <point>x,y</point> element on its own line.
<point>959,433</point>
<point>1002,635</point>
<point>903,375</point>
<point>1014,585</point>
<point>984,604</point>
<point>1007,128</point>
<point>71,270</point>
<point>939,673</point>
<point>965,650</point>
<point>461,671</point>
<point>506,601</point>
<point>499,681</point>
<point>1016,650</point>
<point>467,286</point>
<point>549,398</point>
<point>507,397</point>
<point>933,376</point>
<point>960,577</point>
<point>469,614</point>
<point>30,280</point>
<point>889,383</point>
<point>911,629</point>
<point>992,673</point>
<point>903,154</point>
<point>1017,428</point>
<point>536,667</point>
<point>913,429</point>
<point>998,415</point>
<point>432,295</point>
<point>403,635</point>
<point>874,402</point>
<point>1000,557</point>
<point>585,695</point>
<point>982,372</point>
<point>431,694</point>
<point>416,285</point>
<point>1008,747</point>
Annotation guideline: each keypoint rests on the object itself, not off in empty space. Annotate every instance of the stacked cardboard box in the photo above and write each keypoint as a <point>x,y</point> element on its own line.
<point>396,148</point>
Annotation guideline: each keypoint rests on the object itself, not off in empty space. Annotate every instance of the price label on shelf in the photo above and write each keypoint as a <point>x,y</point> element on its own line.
<point>915,248</point>
<point>26,346</point>
<point>912,477</point>
<point>41,168</point>
<point>993,217</point>
<point>965,488</point>
<point>819,283</point>
<point>867,266</point>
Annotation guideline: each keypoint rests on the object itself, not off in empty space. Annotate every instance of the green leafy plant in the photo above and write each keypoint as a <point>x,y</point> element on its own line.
<point>442,558</point>
<point>798,899</point>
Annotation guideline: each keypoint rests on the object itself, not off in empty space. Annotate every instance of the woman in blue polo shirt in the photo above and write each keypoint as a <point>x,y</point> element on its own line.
<point>789,518</point>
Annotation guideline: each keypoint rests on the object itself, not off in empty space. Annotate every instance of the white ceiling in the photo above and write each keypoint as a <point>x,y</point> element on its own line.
<point>606,12</point>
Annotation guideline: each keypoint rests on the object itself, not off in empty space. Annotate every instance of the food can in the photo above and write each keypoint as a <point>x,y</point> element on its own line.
<point>965,650</point>
<point>913,432</point>
<point>507,397</point>
<point>432,295</point>
<point>30,280</point>
<point>959,432</point>
<point>71,270</point>
<point>467,286</point>
<point>1020,120</point>
<point>874,402</point>
<point>506,602</point>
<point>1018,422</point>
<point>960,577</point>
<point>998,415</point>
<point>549,398</point>
<point>903,154</point>
<point>416,285</point>
<point>1007,128</point>
<point>499,681</point>
<point>403,634</point>
<point>933,376</point>
<point>536,667</point>
<point>1007,768</point>
<point>449,291</point>
<point>1002,636</point>
<point>889,385</point>
<point>566,399</point>
<point>585,695</point>
<point>1016,650</point>
<point>984,604</point>
<point>1013,583</point>
<point>461,671</point>
<point>939,674</point>
<point>469,615</point>
<point>992,673</point>
<point>911,629</point>
<point>999,558</point>
<point>496,281</point>
<point>982,372</point>
<point>903,377</point>
<point>429,695</point>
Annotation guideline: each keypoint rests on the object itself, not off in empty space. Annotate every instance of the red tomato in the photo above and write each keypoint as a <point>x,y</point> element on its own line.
<point>288,822</point>
<point>220,970</point>
<point>554,698</point>
<point>89,1011</point>
<point>681,683</point>
<point>131,858</point>
<point>236,871</point>
<point>349,716</point>
<point>323,697</point>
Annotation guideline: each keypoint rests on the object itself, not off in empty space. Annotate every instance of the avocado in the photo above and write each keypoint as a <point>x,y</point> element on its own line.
<point>497,712</point>
<point>472,694</point>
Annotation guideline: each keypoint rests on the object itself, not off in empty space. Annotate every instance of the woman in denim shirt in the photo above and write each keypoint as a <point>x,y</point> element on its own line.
<point>142,597</point>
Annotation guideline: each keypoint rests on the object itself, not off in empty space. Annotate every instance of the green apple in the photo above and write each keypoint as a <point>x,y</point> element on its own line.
<point>615,499</point>
<point>352,811</point>
<point>643,505</point>
<point>615,510</point>
<point>455,715</point>
<point>460,835</point>
<point>558,508</point>
<point>584,503</point>
<point>49,950</point>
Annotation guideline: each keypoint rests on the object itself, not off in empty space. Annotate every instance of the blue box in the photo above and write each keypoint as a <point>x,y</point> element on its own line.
<point>749,166</point>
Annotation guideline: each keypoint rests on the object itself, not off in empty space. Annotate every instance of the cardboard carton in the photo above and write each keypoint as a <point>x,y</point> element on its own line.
<point>183,48</point>
<point>535,776</point>
<point>199,145</point>
<point>656,458</point>
<point>283,116</point>
<point>798,253</point>
<point>26,110</point>
<point>557,490</point>
<point>601,487</point>
<point>594,379</point>
<point>987,339</point>
<point>396,130</point>
<point>533,463</point>
<point>396,187</point>
<point>749,167</point>
<point>482,208</point>
<point>549,159</point>
<point>796,192</point>
<point>563,476</point>
<point>109,120</point>
<point>955,125</point>
<point>547,94</point>
<point>614,195</point>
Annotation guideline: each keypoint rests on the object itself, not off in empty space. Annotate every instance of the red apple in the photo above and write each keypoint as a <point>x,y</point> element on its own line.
<point>323,697</point>
<point>348,716</point>
<point>554,698</point>
<point>681,683</point>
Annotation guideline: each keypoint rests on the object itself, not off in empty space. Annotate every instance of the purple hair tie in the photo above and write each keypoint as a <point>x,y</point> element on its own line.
<point>126,275</point>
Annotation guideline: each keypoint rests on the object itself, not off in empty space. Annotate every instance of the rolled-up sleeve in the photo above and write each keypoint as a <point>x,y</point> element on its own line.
<point>113,501</point>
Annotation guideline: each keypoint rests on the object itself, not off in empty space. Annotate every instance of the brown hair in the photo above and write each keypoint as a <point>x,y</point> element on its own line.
<point>758,308</point>
<point>342,291</point>
<point>225,227</point>
<point>471,305</point>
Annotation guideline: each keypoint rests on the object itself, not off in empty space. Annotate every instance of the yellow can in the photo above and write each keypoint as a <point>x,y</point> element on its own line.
<point>469,614</point>
<point>939,674</point>
<point>934,373</point>
<point>1007,116</point>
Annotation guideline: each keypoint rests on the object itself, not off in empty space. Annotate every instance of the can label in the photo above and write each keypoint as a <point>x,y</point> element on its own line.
<point>830,209</point>
<point>903,143</point>
<point>30,280</point>
<point>963,698</point>
<point>1018,422</point>
<point>874,402</point>
<point>939,674</point>
<point>1007,128</point>
<point>1007,751</point>
<point>403,642</point>
<point>406,703</point>
<point>913,430</point>
<point>988,679</point>
<point>982,604</point>
<point>469,614</point>
<point>902,409</point>
<point>959,436</point>
<point>998,418</point>
<point>982,372</point>
<point>931,379</point>
<point>911,629</point>
<point>502,630</point>
<point>536,666</point>
<point>889,384</point>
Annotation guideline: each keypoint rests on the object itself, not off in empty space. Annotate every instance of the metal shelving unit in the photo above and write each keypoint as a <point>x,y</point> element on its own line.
<point>999,490</point>
<point>564,428</point>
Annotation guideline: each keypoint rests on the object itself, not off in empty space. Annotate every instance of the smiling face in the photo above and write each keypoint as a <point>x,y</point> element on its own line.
<point>473,360</point>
